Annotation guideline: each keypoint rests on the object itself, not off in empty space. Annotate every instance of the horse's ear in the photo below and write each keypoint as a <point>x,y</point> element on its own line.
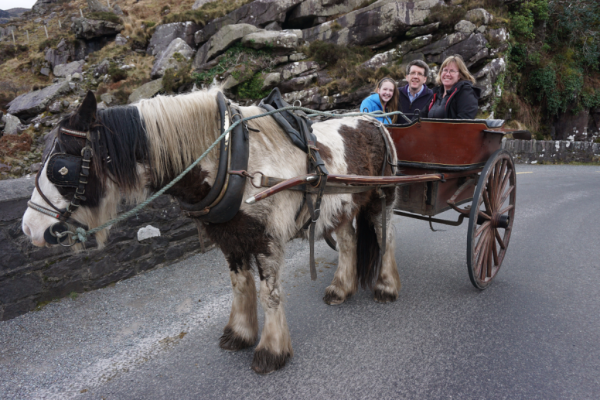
<point>87,109</point>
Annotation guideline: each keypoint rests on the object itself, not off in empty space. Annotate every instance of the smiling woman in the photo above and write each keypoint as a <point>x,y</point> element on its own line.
<point>385,99</point>
<point>455,97</point>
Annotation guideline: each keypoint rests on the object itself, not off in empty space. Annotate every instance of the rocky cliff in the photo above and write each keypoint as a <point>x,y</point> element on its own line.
<point>327,54</point>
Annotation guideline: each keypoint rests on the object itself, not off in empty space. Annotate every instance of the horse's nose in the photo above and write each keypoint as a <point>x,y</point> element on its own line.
<point>26,230</point>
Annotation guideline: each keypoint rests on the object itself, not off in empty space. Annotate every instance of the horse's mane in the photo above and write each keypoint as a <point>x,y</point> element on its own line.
<point>179,129</point>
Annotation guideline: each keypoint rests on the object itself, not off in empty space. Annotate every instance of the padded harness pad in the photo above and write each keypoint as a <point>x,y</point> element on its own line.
<point>295,124</point>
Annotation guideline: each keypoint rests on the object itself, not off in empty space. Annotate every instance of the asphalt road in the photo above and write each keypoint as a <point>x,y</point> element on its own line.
<point>534,334</point>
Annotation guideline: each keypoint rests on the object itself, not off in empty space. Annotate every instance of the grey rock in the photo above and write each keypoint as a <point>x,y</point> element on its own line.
<point>200,3</point>
<point>102,68</point>
<point>372,24</point>
<point>276,40</point>
<point>121,40</point>
<point>65,51</point>
<point>101,106</point>
<point>297,57</point>
<point>55,107</point>
<point>63,70</point>
<point>147,232</point>
<point>45,71</point>
<point>35,167</point>
<point>107,98</point>
<point>96,6</point>
<point>84,28</point>
<point>146,91</point>
<point>33,103</point>
<point>11,124</point>
<point>465,27</point>
<point>298,83</point>
<point>169,59</point>
<point>487,77</point>
<point>271,80</point>
<point>422,30</point>
<point>273,26</point>
<point>472,50</point>
<point>258,13</point>
<point>299,68</point>
<point>479,16</point>
<point>76,76</point>
<point>65,104</point>
<point>117,10</point>
<point>381,59</point>
<point>165,34</point>
<point>414,44</point>
<point>441,45</point>
<point>311,11</point>
<point>221,41</point>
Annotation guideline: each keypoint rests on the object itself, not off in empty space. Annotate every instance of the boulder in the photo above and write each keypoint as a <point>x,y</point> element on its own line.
<point>165,34</point>
<point>271,80</point>
<point>43,6</point>
<point>465,27</point>
<point>121,40</point>
<point>200,3</point>
<point>107,98</point>
<point>55,107</point>
<point>273,26</point>
<point>372,24</point>
<point>84,28</point>
<point>280,41</point>
<point>414,44</point>
<point>175,56</point>
<point>479,16</point>
<point>146,91</point>
<point>299,68</point>
<point>258,13</point>
<point>33,103</point>
<point>298,83</point>
<point>11,124</point>
<point>309,12</point>
<point>422,30</point>
<point>63,70</point>
<point>73,50</point>
<point>221,41</point>
<point>487,77</point>
<point>381,59</point>
<point>472,49</point>
<point>102,68</point>
<point>96,6</point>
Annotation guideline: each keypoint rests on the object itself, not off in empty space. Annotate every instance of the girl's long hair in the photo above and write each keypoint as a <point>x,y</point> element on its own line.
<point>392,105</point>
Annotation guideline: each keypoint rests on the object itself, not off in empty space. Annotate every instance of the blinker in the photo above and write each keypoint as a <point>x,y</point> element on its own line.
<point>64,169</point>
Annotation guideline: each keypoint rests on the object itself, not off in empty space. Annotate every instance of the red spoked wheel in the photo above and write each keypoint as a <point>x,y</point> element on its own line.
<point>491,219</point>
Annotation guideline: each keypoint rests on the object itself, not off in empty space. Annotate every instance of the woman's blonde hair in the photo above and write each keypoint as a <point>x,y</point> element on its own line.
<point>392,105</point>
<point>465,75</point>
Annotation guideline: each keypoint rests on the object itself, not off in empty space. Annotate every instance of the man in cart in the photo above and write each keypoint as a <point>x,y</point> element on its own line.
<point>415,95</point>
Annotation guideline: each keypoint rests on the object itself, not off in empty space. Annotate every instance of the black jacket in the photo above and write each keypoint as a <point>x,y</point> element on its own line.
<point>421,103</point>
<point>461,101</point>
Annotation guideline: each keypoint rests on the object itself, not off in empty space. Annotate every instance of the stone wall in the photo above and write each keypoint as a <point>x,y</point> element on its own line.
<point>30,276</point>
<point>552,151</point>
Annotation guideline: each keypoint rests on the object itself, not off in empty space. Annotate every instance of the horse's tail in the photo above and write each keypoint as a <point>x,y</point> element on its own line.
<point>368,260</point>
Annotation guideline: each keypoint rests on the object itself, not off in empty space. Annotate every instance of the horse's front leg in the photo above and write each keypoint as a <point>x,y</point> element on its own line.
<point>388,283</point>
<point>242,329</point>
<point>275,345</point>
<point>345,280</point>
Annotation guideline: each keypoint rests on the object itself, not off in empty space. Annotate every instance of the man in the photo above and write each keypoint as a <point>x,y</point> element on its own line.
<point>416,95</point>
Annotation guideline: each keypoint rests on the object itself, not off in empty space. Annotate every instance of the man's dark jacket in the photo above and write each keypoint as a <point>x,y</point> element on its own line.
<point>462,101</point>
<point>421,103</point>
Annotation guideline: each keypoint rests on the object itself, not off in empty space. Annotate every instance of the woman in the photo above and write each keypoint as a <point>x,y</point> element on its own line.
<point>384,99</point>
<point>455,97</point>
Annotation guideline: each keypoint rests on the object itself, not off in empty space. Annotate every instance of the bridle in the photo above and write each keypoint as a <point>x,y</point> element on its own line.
<point>66,170</point>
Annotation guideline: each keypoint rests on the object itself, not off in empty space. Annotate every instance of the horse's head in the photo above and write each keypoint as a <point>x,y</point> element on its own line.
<point>67,185</point>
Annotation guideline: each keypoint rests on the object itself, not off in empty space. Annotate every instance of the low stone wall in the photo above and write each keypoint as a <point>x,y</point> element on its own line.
<point>552,151</point>
<point>30,276</point>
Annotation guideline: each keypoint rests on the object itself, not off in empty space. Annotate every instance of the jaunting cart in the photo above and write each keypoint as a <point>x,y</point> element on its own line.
<point>474,172</point>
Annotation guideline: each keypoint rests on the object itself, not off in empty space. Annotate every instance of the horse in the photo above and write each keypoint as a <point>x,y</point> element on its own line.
<point>139,148</point>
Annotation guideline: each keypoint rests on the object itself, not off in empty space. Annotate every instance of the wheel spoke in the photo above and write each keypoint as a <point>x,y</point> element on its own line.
<point>486,201</point>
<point>483,226</point>
<point>490,261</point>
<point>484,215</point>
<point>480,244</point>
<point>503,199</point>
<point>494,250</point>
<point>499,239</point>
<point>497,190</point>
<point>508,208</point>
<point>505,181</point>
<point>483,255</point>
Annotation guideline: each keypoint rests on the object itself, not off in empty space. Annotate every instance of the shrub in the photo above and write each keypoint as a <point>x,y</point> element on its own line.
<point>446,15</point>
<point>116,74</point>
<point>251,89</point>
<point>104,16</point>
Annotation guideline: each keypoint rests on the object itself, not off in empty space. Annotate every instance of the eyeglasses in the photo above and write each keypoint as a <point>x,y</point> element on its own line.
<point>414,73</point>
<point>449,71</point>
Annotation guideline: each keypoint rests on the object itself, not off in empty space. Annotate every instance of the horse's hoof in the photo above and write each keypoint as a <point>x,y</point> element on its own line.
<point>332,298</point>
<point>381,296</point>
<point>230,341</point>
<point>266,362</point>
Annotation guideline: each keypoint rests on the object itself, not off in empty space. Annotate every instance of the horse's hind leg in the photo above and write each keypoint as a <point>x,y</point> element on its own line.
<point>388,283</point>
<point>242,329</point>
<point>345,281</point>
<point>275,345</point>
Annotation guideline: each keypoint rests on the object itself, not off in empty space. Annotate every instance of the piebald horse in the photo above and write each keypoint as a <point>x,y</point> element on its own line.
<point>139,148</point>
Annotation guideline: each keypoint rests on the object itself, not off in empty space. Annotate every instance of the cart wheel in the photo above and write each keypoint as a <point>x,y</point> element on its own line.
<point>491,219</point>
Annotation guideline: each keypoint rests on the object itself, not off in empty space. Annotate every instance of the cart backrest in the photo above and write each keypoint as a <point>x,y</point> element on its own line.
<point>447,142</point>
